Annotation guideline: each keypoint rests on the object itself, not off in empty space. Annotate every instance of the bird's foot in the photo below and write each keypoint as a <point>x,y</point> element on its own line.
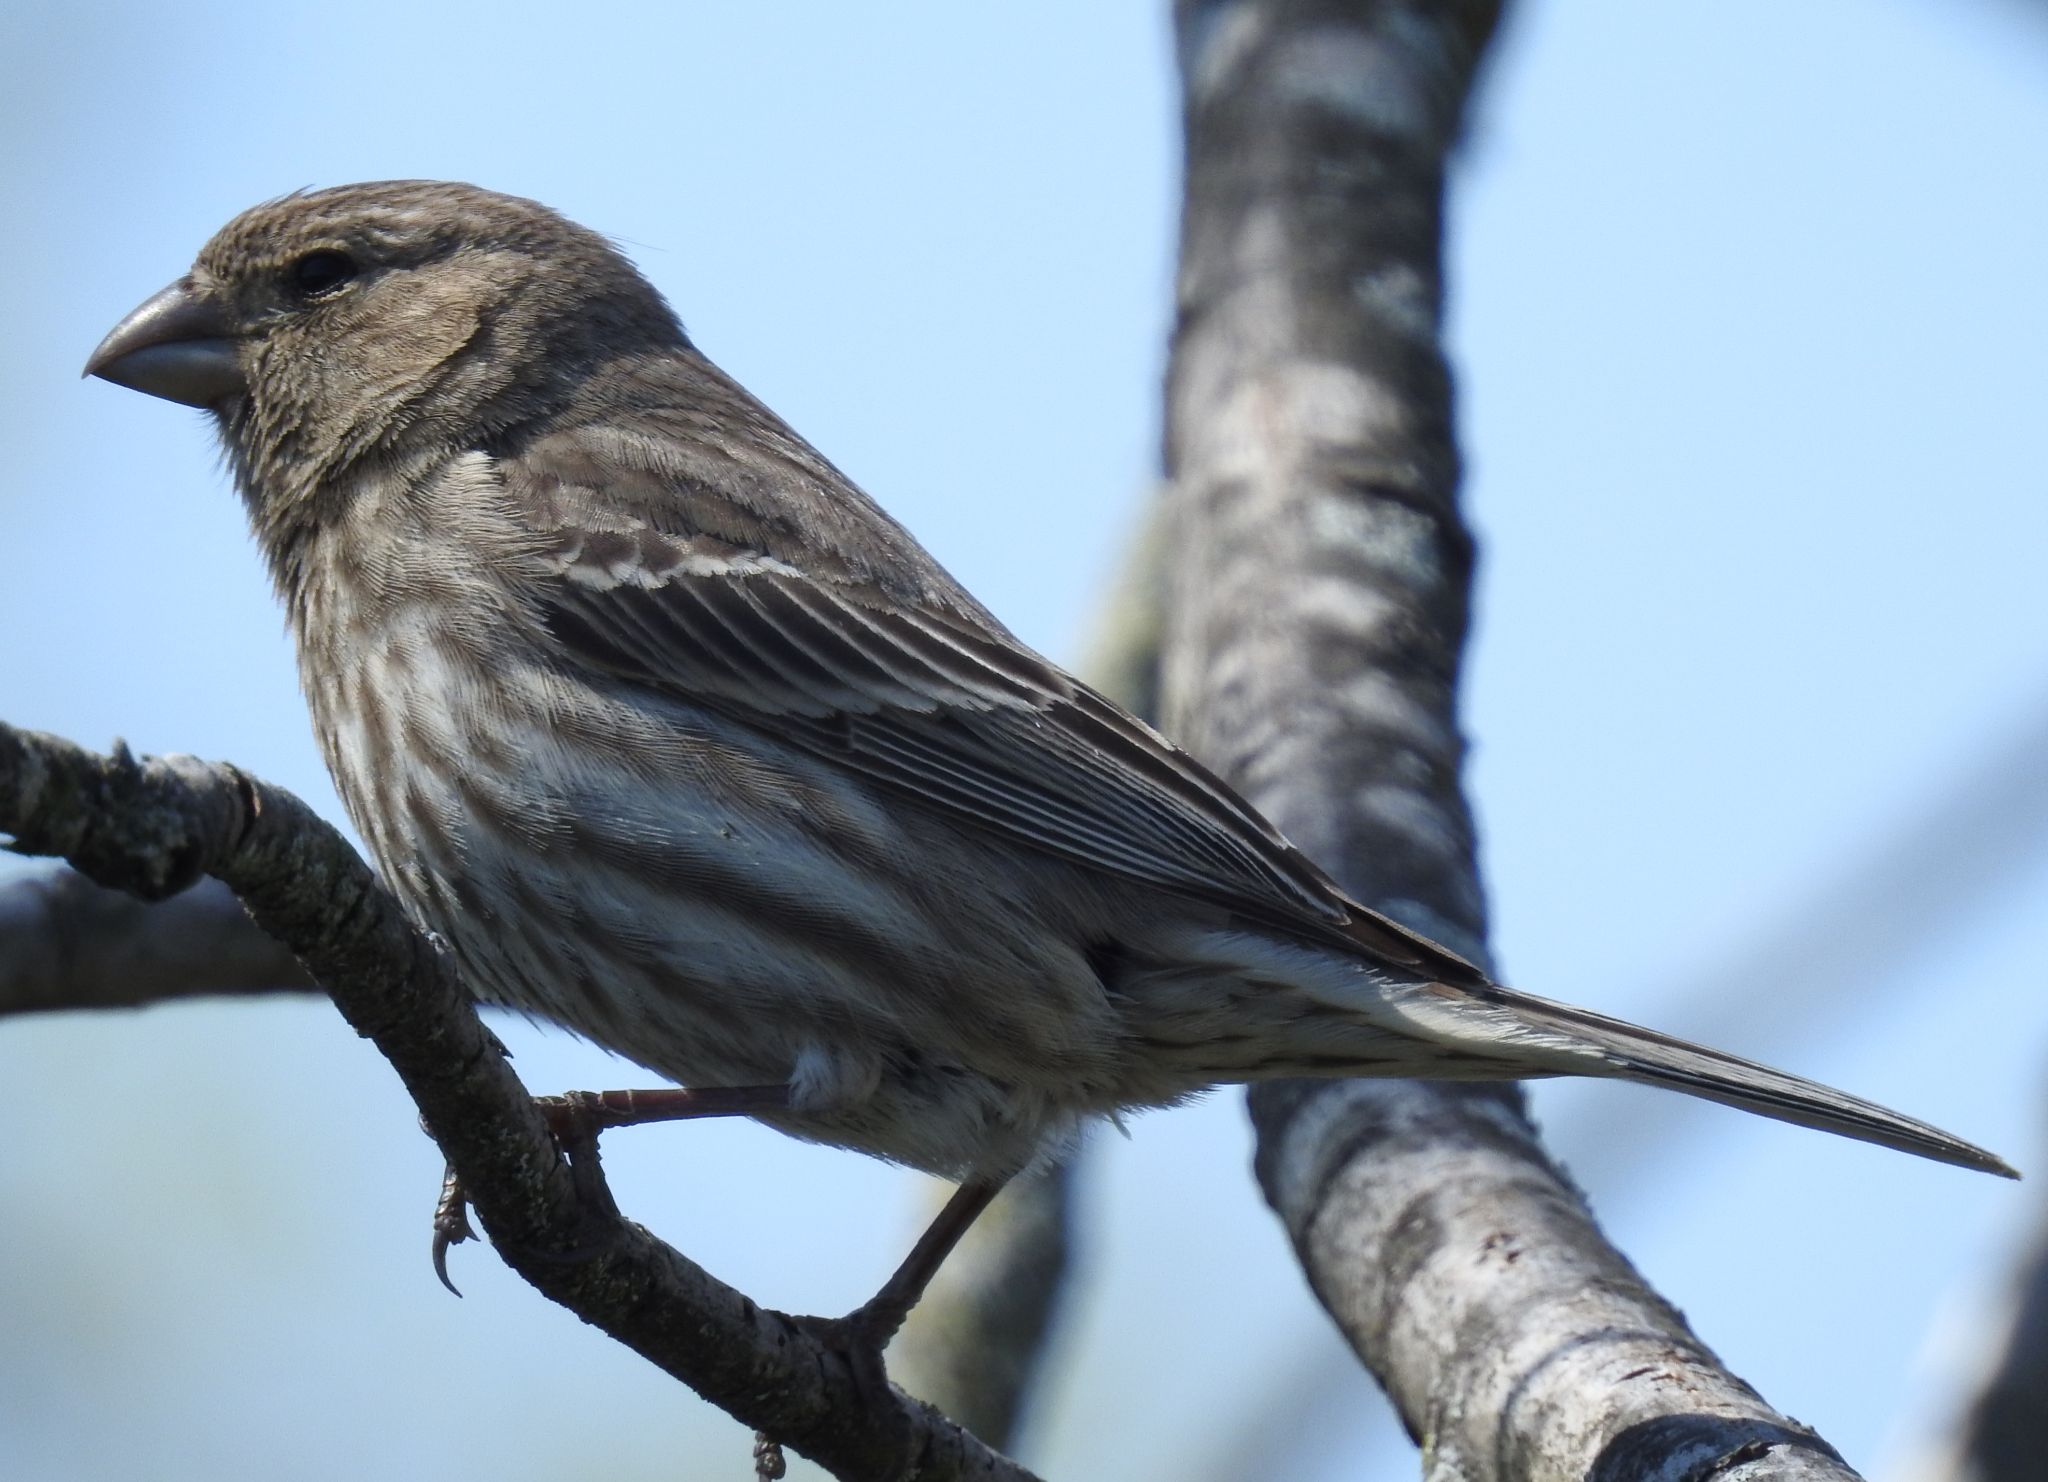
<point>576,1118</point>
<point>451,1224</point>
<point>858,1339</point>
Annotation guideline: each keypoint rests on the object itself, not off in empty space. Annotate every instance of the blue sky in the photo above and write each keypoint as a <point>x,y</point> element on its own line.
<point>1751,338</point>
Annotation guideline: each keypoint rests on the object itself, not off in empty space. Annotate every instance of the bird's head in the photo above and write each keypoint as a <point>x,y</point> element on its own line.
<point>383,321</point>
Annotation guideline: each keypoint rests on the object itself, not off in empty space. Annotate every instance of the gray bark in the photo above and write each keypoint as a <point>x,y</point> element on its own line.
<point>1844,943</point>
<point>1318,607</point>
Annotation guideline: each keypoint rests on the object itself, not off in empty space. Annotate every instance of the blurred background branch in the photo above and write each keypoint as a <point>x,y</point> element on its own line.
<point>975,1346</point>
<point>66,943</point>
<point>1999,1430</point>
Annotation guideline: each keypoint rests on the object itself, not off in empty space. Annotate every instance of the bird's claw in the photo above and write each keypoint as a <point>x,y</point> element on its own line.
<point>451,1225</point>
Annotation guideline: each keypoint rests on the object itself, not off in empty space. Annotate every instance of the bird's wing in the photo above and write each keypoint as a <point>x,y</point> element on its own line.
<point>948,711</point>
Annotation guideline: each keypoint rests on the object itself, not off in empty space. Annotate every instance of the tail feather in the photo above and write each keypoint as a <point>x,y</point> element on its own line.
<point>1575,1041</point>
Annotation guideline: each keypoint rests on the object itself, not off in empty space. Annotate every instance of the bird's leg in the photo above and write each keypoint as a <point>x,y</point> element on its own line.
<point>876,1320</point>
<point>863,1333</point>
<point>577,1117</point>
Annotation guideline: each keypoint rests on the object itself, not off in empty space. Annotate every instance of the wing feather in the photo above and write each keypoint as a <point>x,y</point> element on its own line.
<point>938,704</point>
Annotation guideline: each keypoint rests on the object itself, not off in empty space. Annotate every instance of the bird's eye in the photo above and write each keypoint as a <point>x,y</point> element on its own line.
<point>320,274</point>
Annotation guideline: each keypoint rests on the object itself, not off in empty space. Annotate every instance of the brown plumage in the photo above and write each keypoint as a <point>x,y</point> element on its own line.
<point>677,739</point>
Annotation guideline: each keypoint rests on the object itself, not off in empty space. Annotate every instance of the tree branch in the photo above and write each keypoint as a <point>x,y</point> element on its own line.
<point>66,943</point>
<point>1319,605</point>
<point>153,827</point>
<point>1844,942</point>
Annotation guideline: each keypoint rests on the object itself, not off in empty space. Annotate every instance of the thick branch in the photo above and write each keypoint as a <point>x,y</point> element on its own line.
<point>1844,942</point>
<point>153,827</point>
<point>1312,651</point>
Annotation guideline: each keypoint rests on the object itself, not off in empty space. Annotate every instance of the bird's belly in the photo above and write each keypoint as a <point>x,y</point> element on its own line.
<point>727,911</point>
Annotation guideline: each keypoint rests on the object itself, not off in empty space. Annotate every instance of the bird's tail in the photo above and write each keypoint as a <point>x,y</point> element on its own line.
<point>1572,1041</point>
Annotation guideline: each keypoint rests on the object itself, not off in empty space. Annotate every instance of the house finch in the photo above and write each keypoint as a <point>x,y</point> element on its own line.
<point>674,737</point>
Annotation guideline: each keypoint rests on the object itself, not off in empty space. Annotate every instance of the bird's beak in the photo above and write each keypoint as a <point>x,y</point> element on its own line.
<point>177,345</point>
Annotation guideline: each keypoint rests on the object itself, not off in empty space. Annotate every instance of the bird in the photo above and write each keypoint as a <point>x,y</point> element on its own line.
<point>672,736</point>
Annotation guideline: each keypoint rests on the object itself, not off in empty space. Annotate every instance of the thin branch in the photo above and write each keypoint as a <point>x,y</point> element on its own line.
<point>153,827</point>
<point>1318,610</point>
<point>66,943</point>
